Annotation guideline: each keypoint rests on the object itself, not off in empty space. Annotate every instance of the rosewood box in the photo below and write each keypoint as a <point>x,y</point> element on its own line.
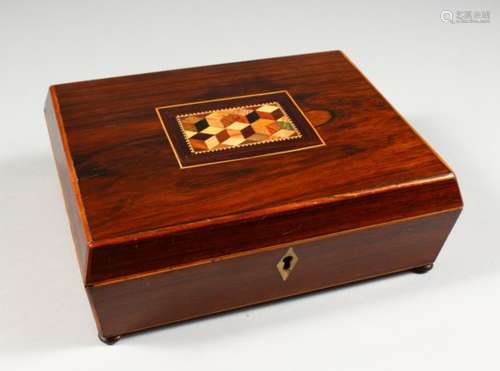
<point>200,190</point>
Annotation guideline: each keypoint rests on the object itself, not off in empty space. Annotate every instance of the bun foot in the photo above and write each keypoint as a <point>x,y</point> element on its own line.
<point>423,269</point>
<point>110,340</point>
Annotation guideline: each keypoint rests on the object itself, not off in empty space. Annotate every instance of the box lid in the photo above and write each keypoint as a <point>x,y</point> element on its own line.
<point>172,168</point>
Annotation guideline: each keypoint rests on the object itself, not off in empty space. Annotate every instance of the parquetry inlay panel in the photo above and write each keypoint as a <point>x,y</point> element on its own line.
<point>236,128</point>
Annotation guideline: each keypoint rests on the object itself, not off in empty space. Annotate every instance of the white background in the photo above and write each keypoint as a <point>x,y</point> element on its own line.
<point>444,78</point>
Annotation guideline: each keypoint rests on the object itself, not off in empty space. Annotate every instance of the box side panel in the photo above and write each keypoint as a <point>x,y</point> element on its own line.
<point>246,279</point>
<point>215,240</point>
<point>67,180</point>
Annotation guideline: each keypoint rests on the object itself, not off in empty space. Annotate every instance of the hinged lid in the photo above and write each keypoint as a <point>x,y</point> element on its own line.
<point>177,167</point>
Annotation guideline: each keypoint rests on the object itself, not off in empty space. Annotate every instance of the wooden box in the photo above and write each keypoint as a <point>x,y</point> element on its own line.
<point>200,190</point>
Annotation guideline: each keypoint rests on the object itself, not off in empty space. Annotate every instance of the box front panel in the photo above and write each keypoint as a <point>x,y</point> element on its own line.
<point>268,274</point>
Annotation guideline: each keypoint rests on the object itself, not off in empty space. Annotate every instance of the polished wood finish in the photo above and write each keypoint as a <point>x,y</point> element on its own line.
<point>139,220</point>
<point>252,278</point>
<point>69,181</point>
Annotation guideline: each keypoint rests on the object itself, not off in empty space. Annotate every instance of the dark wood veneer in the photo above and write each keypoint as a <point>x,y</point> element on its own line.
<point>375,199</point>
<point>252,278</point>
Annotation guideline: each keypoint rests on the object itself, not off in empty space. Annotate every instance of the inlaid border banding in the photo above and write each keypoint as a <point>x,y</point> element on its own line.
<point>168,115</point>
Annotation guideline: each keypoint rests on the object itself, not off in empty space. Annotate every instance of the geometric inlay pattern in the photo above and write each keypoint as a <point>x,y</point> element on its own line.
<point>226,129</point>
<point>237,127</point>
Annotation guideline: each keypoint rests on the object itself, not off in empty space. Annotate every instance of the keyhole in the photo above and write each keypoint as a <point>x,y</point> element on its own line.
<point>287,262</point>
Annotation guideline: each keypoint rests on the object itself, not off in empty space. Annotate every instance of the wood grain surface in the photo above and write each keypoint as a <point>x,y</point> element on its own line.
<point>252,277</point>
<point>137,211</point>
<point>158,243</point>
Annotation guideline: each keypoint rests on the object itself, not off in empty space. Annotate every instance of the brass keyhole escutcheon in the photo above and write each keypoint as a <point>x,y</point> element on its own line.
<point>287,263</point>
